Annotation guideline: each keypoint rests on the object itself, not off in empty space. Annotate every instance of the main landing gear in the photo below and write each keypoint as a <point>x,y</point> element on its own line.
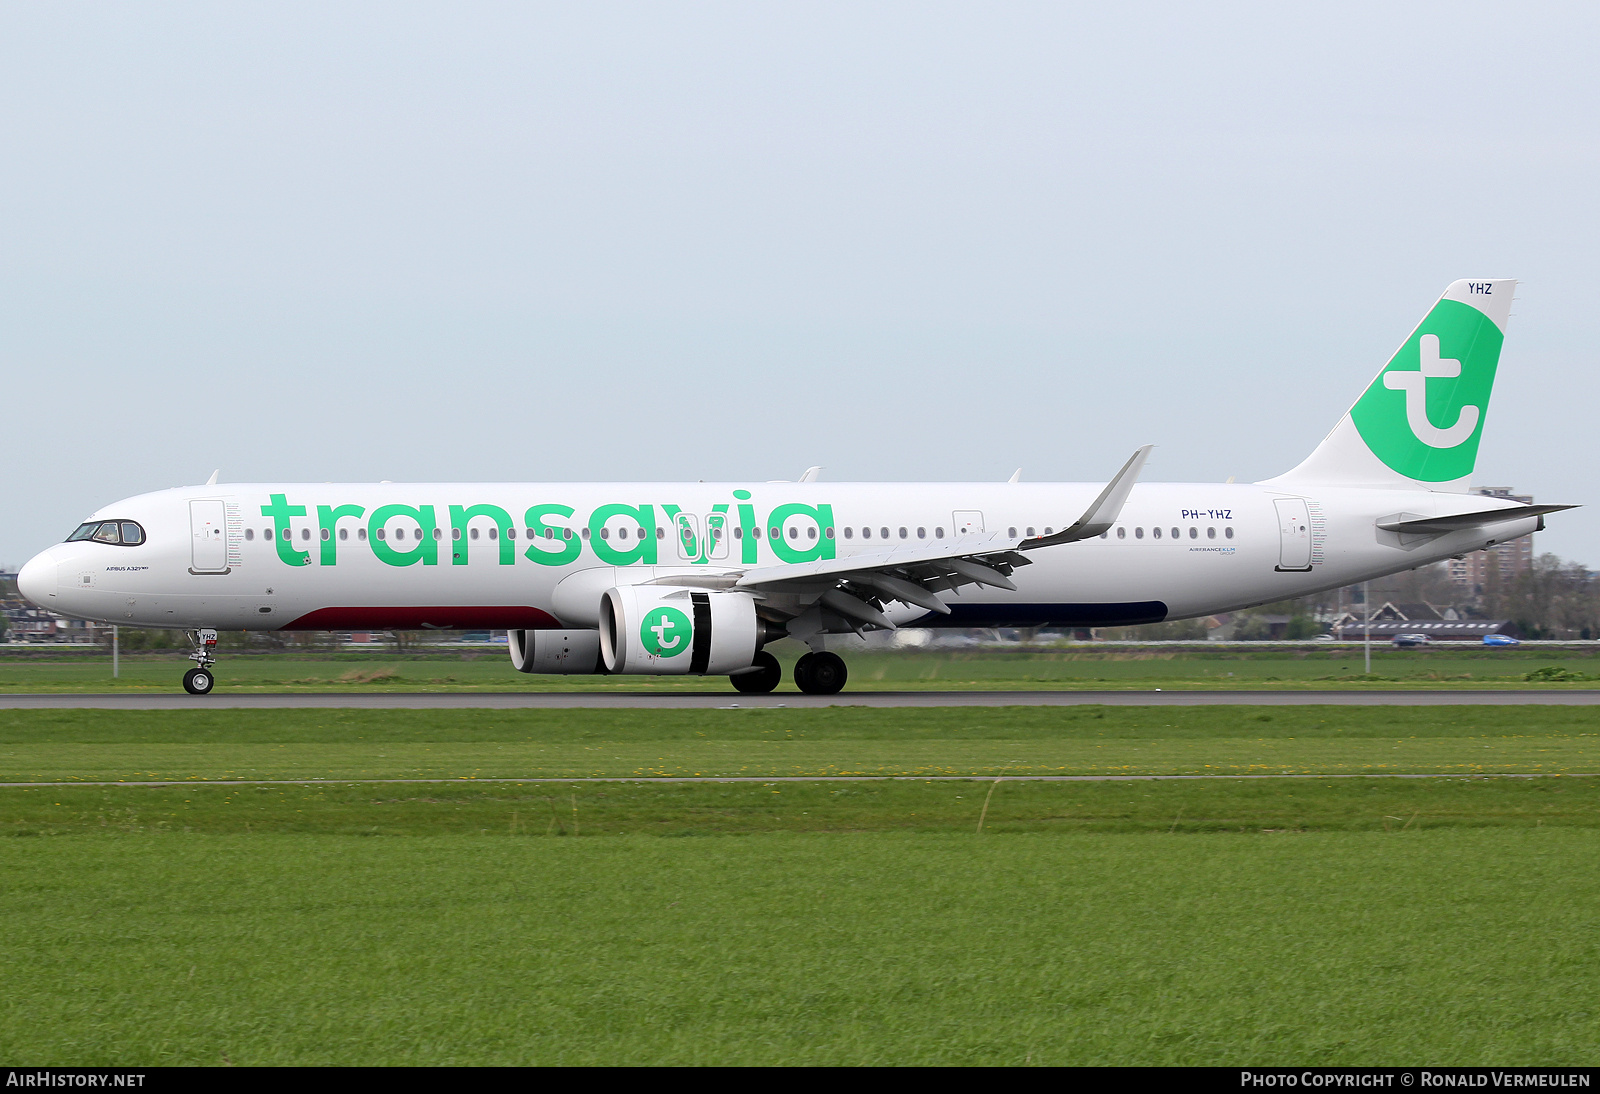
<point>814,674</point>
<point>763,675</point>
<point>200,679</point>
<point>820,673</point>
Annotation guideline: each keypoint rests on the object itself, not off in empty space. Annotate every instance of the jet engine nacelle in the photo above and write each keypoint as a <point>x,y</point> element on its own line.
<point>662,630</point>
<point>563,652</point>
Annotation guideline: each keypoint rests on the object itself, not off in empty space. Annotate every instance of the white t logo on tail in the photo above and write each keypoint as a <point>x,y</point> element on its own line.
<point>1415,385</point>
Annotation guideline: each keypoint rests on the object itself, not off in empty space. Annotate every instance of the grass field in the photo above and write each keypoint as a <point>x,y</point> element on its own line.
<point>1259,921</point>
<point>22,670</point>
<point>1462,946</point>
<point>40,745</point>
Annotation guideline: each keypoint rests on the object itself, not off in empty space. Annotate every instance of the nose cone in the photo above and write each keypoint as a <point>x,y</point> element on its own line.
<point>37,580</point>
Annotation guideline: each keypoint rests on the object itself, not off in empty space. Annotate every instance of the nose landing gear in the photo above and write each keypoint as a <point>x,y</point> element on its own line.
<point>200,679</point>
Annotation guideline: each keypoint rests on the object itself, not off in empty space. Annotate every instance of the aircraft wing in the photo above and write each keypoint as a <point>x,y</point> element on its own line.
<point>840,594</point>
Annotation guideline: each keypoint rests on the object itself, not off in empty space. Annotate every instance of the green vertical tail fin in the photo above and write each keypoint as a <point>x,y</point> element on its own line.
<point>1420,420</point>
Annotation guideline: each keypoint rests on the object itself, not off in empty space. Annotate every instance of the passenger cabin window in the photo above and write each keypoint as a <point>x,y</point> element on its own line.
<point>922,533</point>
<point>1211,533</point>
<point>848,532</point>
<point>1122,533</point>
<point>1194,533</point>
<point>938,533</point>
<point>866,533</point>
<point>1138,533</point>
<point>1156,532</point>
<point>883,533</point>
<point>1030,532</point>
<point>1228,532</point>
<point>1012,532</point>
<point>249,533</point>
<point>1175,533</point>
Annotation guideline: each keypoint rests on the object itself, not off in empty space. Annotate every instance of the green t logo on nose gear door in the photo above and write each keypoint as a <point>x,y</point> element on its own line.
<point>666,632</point>
<point>1424,413</point>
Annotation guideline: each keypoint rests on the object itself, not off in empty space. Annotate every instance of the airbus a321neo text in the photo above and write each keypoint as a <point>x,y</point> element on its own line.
<point>642,578</point>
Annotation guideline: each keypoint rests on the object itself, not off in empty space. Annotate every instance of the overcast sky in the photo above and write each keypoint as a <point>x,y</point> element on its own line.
<point>666,241</point>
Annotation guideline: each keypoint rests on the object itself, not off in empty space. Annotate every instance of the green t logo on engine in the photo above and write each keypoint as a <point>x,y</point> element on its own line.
<point>666,632</point>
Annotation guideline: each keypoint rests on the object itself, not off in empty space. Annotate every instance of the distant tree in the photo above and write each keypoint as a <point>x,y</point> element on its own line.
<point>1302,627</point>
<point>1178,630</point>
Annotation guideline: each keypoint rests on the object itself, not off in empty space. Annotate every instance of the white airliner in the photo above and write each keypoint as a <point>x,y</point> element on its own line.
<point>672,578</point>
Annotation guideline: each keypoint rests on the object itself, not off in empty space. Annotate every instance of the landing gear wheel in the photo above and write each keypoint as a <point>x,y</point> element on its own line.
<point>820,674</point>
<point>761,682</point>
<point>199,681</point>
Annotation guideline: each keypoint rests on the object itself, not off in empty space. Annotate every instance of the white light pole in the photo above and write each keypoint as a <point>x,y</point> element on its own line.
<point>1366,602</point>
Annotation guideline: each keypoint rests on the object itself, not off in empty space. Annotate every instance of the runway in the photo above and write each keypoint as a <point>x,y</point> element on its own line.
<point>723,701</point>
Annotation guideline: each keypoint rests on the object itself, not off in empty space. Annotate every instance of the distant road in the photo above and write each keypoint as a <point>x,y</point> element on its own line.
<point>712,700</point>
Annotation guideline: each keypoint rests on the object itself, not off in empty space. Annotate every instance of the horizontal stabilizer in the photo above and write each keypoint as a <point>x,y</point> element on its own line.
<point>1455,522</point>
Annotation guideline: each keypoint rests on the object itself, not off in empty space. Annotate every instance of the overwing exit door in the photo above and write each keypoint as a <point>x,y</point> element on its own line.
<point>717,534</point>
<point>1294,534</point>
<point>688,537</point>
<point>693,548</point>
<point>208,529</point>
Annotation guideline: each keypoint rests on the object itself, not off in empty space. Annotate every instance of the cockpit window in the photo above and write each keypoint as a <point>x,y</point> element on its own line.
<point>124,533</point>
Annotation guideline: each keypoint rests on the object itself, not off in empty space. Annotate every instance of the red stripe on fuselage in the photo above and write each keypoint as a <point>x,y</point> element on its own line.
<point>479,617</point>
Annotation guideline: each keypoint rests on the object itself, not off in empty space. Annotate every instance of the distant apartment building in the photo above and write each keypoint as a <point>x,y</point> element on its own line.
<point>26,623</point>
<point>1503,562</point>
